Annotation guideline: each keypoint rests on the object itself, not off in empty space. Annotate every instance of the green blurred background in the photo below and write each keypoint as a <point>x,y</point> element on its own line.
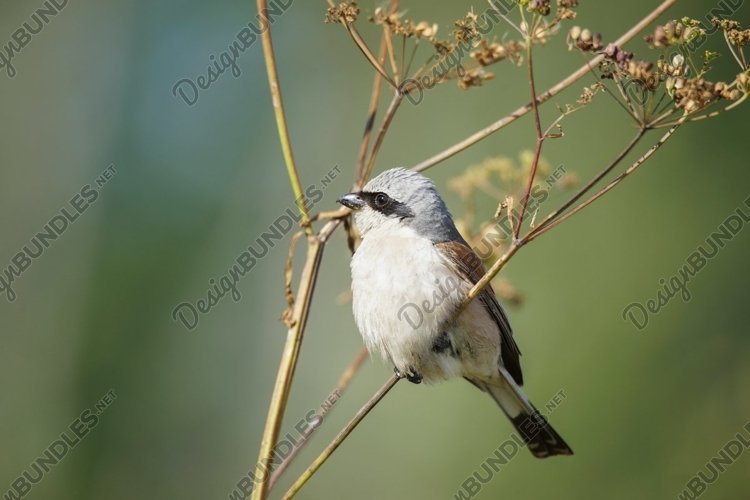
<point>195,185</point>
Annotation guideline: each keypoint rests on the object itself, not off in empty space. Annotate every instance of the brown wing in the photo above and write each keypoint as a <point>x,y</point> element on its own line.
<point>470,266</point>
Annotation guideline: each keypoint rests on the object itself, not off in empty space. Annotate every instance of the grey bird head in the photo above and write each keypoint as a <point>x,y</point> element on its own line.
<point>402,197</point>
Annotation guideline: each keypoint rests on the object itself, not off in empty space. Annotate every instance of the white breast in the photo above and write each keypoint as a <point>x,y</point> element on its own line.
<point>403,293</point>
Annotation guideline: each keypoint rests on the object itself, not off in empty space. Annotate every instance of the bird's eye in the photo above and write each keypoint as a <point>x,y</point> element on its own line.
<point>381,200</point>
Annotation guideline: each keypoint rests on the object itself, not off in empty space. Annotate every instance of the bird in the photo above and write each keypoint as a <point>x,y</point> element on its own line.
<point>410,274</point>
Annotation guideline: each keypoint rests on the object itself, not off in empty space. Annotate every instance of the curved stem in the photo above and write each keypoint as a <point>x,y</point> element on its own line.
<point>635,140</point>
<point>278,109</point>
<point>387,119</point>
<point>372,110</point>
<point>360,43</point>
<point>539,134</point>
<point>361,414</point>
<point>341,386</point>
<point>542,98</point>
<point>632,168</point>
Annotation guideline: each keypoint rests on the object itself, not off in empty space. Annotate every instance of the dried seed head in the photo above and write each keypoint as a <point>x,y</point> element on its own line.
<point>490,53</point>
<point>541,7</point>
<point>344,13</point>
<point>584,40</point>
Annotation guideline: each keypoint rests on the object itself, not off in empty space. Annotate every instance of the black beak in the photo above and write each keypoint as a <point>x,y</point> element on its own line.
<point>352,200</point>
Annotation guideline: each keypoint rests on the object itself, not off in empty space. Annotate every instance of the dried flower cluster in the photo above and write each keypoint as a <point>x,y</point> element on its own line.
<point>490,53</point>
<point>583,39</point>
<point>688,87</point>
<point>344,13</point>
<point>401,26</point>
<point>736,35</point>
<point>674,33</point>
<point>692,94</point>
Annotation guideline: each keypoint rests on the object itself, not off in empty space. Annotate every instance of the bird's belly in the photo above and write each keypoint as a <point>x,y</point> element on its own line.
<point>404,298</point>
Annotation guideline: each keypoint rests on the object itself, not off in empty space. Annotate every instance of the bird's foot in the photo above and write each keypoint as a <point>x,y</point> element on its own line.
<point>411,375</point>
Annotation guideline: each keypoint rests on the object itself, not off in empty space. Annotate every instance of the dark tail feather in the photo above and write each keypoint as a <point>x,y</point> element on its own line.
<point>542,440</point>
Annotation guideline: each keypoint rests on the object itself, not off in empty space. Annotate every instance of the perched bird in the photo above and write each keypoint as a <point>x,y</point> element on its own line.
<point>410,274</point>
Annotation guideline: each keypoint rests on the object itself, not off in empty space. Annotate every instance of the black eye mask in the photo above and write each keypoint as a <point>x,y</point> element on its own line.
<point>386,205</point>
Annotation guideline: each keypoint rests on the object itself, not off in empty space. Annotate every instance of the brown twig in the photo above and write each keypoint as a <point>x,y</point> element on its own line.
<point>361,414</point>
<point>341,386</point>
<point>387,119</point>
<point>632,168</point>
<point>372,111</point>
<point>278,109</point>
<point>537,128</point>
<point>359,42</point>
<point>595,180</point>
<point>542,98</point>
<point>289,358</point>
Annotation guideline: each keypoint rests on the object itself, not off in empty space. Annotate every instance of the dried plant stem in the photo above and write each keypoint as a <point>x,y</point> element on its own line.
<point>278,109</point>
<point>359,42</point>
<point>632,168</point>
<point>542,98</point>
<point>387,119</point>
<point>358,417</point>
<point>506,18</point>
<point>711,114</point>
<point>552,216</point>
<point>341,386</point>
<point>740,60</point>
<point>289,358</point>
<point>372,111</point>
<point>537,128</point>
<point>360,177</point>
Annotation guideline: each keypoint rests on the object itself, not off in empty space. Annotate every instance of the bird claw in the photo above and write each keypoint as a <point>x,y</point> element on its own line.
<point>411,375</point>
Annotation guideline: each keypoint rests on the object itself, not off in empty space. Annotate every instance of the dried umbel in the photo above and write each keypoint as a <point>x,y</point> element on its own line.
<point>735,34</point>
<point>540,7</point>
<point>344,13</point>
<point>466,29</point>
<point>674,33</point>
<point>698,93</point>
<point>474,78</point>
<point>675,68</point>
<point>398,25</point>
<point>490,53</point>
<point>582,39</point>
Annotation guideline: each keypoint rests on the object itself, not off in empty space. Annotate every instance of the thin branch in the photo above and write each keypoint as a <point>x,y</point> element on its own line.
<point>341,386</point>
<point>387,119</point>
<point>734,54</point>
<point>707,115</point>
<point>632,168</point>
<point>553,91</point>
<point>638,136</point>
<point>278,109</point>
<point>370,122</point>
<point>539,135</point>
<point>361,414</point>
<point>359,42</point>
<point>391,54</point>
<point>507,19</point>
<point>289,358</point>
